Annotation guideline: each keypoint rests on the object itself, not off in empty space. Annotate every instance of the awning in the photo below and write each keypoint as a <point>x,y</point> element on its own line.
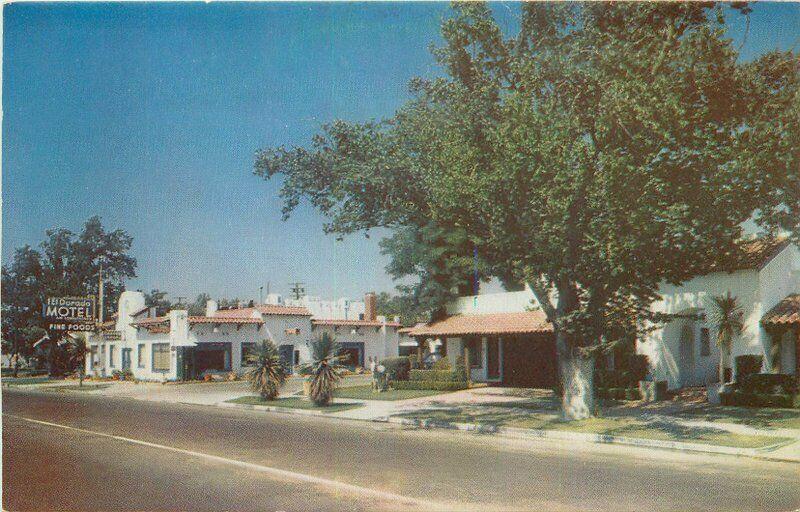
<point>785,312</point>
<point>524,322</point>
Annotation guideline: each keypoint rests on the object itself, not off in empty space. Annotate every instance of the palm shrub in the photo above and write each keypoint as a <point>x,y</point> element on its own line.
<point>725,315</point>
<point>324,370</point>
<point>268,373</point>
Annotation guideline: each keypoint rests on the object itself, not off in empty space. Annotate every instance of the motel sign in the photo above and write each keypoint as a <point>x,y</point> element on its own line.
<point>70,313</point>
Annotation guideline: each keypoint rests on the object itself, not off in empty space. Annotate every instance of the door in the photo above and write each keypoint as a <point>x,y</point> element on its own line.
<point>687,355</point>
<point>126,359</point>
<point>493,358</point>
<point>529,361</point>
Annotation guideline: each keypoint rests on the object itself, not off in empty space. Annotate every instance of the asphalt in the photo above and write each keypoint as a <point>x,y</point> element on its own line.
<point>185,457</point>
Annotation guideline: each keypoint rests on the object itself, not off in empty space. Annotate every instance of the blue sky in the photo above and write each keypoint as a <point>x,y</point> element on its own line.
<point>149,116</point>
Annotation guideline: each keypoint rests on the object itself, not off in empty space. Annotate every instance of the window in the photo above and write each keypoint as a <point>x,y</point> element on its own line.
<point>111,356</point>
<point>102,355</point>
<point>247,349</point>
<point>705,342</point>
<point>475,346</point>
<point>140,355</point>
<point>93,359</point>
<point>160,357</point>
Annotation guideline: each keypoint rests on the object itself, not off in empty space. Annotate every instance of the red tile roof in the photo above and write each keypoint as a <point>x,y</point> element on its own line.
<point>784,312</point>
<point>223,320</point>
<point>354,323</point>
<point>491,323</point>
<point>150,321</point>
<point>264,309</point>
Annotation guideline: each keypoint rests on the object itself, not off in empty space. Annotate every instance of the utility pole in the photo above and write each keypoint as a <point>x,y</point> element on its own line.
<point>100,293</point>
<point>260,295</point>
<point>297,289</point>
<point>180,300</point>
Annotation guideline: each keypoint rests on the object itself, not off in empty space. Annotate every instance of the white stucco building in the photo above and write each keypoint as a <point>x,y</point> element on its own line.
<point>177,346</point>
<point>767,287</point>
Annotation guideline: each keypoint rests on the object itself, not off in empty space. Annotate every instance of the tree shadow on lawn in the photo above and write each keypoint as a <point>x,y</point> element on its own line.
<point>760,417</point>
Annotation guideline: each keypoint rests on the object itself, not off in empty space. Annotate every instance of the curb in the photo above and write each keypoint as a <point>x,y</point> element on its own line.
<point>524,433</point>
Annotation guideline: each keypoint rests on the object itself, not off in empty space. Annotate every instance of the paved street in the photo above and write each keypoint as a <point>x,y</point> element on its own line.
<point>73,452</point>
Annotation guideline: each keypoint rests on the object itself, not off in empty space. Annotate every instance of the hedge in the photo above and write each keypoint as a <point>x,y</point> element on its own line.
<point>746,365</point>
<point>397,368</point>
<point>759,399</point>
<point>768,384</point>
<point>435,375</point>
<point>429,384</point>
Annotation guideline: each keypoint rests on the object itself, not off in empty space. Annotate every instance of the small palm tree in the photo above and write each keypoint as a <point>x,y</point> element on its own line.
<point>725,315</point>
<point>324,370</point>
<point>268,373</point>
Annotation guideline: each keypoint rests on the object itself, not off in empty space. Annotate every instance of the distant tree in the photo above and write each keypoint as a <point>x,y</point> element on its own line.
<point>67,265</point>
<point>158,299</point>
<point>601,150</point>
<point>403,306</point>
<point>198,307</point>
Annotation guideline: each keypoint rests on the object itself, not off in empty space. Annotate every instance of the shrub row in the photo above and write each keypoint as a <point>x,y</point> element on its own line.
<point>436,376</point>
<point>619,393</point>
<point>768,384</point>
<point>429,384</point>
<point>747,364</point>
<point>741,398</point>
<point>397,368</point>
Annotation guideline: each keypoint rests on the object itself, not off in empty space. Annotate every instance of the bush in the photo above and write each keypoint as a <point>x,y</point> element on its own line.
<point>397,368</point>
<point>637,368</point>
<point>740,398</point>
<point>435,375</point>
<point>633,394</point>
<point>429,384</point>
<point>443,365</point>
<point>126,374</point>
<point>768,384</point>
<point>616,393</point>
<point>746,365</point>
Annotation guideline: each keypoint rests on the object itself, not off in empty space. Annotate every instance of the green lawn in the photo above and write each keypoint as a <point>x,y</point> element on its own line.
<point>623,427</point>
<point>294,403</point>
<point>77,387</point>
<point>22,381</point>
<point>366,393</point>
<point>758,417</point>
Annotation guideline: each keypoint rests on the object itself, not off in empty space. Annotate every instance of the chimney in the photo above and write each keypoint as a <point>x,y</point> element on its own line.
<point>370,307</point>
<point>211,308</point>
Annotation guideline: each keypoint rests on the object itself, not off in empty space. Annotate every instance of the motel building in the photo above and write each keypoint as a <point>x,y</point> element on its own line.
<point>509,344</point>
<point>177,346</point>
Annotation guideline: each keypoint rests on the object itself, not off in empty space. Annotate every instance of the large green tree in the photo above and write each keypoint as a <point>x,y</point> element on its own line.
<point>600,150</point>
<point>68,264</point>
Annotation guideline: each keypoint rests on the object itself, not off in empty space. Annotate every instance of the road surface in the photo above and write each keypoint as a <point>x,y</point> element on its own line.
<point>72,452</point>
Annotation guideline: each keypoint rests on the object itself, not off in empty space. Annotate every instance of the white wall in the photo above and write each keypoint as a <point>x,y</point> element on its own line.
<point>505,302</point>
<point>379,342</point>
<point>757,292</point>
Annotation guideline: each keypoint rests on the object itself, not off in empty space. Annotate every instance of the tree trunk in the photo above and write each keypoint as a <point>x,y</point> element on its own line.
<point>577,387</point>
<point>723,363</point>
<point>16,363</point>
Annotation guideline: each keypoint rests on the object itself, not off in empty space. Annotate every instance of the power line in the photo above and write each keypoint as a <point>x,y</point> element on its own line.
<point>297,289</point>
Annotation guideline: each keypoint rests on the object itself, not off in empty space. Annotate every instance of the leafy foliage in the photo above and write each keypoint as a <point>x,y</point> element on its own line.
<point>325,368</point>
<point>67,264</point>
<point>268,373</point>
<point>601,150</point>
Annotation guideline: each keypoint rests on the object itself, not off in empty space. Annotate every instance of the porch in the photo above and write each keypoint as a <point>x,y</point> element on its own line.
<point>782,325</point>
<point>510,349</point>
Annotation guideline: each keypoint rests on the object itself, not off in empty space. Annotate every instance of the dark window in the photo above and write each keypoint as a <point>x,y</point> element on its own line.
<point>111,356</point>
<point>475,346</point>
<point>247,349</point>
<point>705,342</point>
<point>140,356</point>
